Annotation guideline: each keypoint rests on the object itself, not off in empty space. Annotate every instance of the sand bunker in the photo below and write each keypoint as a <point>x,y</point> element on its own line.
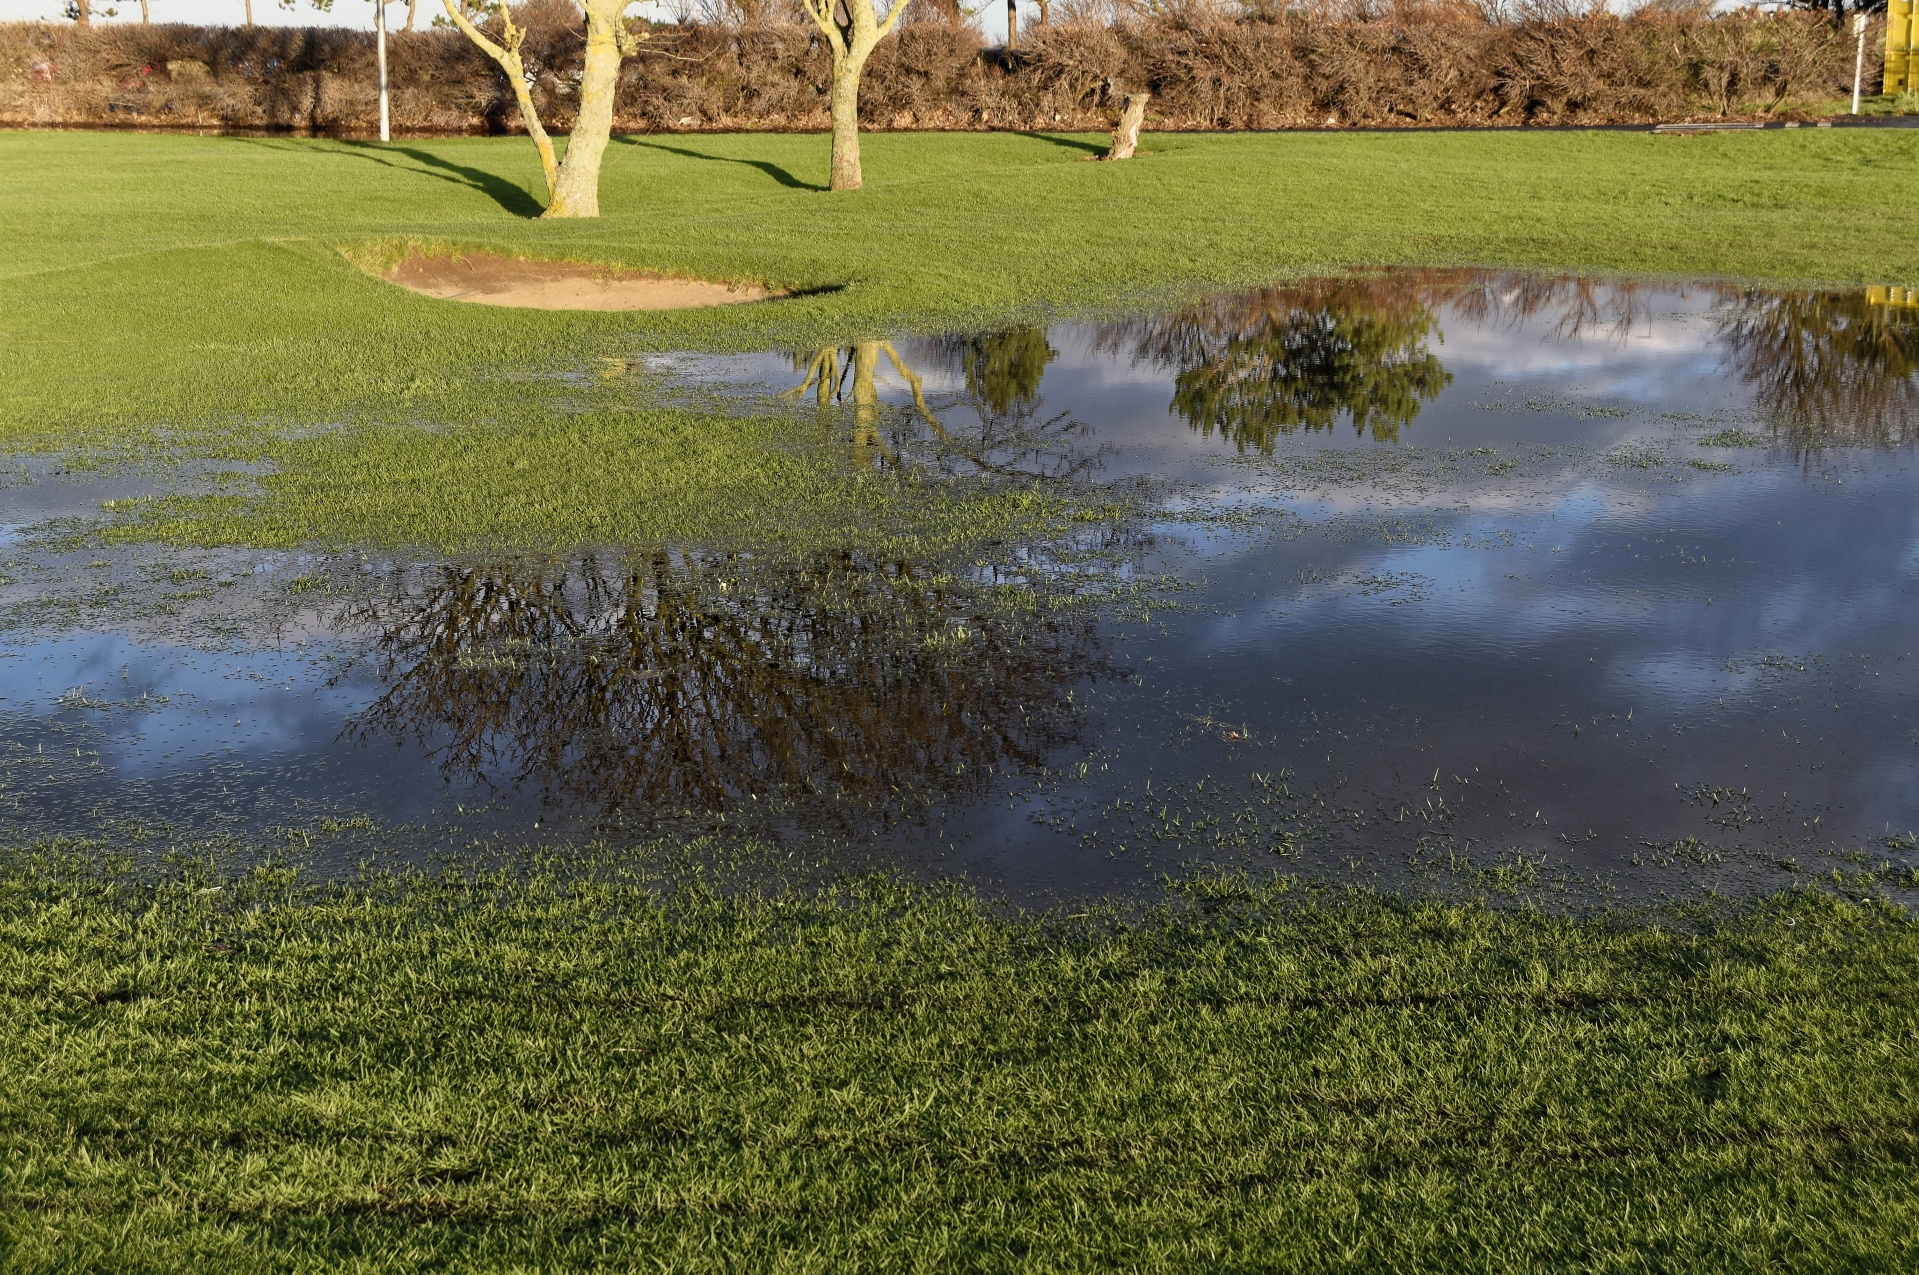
<point>561,285</point>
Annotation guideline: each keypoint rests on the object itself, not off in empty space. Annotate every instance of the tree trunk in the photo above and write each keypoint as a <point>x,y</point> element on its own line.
<point>249,12</point>
<point>1126,136</point>
<point>1012,23</point>
<point>146,19</point>
<point>412,11</point>
<point>851,28</point>
<point>576,192</point>
<point>83,13</point>
<point>846,124</point>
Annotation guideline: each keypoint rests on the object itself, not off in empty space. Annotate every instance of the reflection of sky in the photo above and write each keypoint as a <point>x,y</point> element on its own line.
<point>1648,602</point>
<point>174,704</point>
<point>1484,659</point>
<point>169,732</point>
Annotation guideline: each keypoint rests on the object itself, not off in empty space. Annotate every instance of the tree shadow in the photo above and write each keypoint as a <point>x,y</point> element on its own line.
<point>778,174</point>
<point>1070,143</point>
<point>508,195</point>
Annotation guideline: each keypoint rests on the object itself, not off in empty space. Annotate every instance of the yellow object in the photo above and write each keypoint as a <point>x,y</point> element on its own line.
<point>1902,59</point>
<point>1901,298</point>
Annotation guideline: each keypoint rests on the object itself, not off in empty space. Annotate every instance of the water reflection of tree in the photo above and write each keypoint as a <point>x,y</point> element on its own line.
<point>1820,364</point>
<point>992,430</point>
<point>1003,370</point>
<point>844,687</point>
<point>1254,366</point>
<point>1826,363</point>
<point>1580,308</point>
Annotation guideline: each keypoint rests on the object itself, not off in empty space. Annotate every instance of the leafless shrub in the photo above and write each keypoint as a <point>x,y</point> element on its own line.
<point>1374,63</point>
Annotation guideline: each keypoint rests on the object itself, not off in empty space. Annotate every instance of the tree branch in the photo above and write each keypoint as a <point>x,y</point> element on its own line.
<point>515,68</point>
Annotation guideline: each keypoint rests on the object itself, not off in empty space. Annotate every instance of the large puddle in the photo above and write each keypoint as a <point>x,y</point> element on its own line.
<point>1555,574</point>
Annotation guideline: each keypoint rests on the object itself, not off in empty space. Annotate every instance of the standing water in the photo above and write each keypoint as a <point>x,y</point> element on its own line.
<point>1443,567</point>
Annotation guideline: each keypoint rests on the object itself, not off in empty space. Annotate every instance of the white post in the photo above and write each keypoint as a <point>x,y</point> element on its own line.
<point>379,27</point>
<point>1858,62</point>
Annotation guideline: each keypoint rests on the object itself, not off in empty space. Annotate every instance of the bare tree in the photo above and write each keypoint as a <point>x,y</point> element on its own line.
<point>852,29</point>
<point>572,183</point>
<point>80,12</point>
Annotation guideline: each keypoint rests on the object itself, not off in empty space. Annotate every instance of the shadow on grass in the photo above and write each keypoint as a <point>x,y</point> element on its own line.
<point>508,195</point>
<point>778,174</point>
<point>1070,143</point>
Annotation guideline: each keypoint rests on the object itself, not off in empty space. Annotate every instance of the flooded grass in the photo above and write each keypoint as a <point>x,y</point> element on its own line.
<point>1051,608</point>
<point>225,259</point>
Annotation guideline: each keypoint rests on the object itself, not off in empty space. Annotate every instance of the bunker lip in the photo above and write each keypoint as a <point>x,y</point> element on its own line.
<point>490,279</point>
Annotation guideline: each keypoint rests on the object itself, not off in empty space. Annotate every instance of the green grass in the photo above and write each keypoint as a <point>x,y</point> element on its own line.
<point>187,296</point>
<point>1880,104</point>
<point>242,1073</point>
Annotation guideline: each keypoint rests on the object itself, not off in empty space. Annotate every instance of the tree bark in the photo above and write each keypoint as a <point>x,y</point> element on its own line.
<point>851,28</point>
<point>1012,24</point>
<point>83,13</point>
<point>846,125</point>
<point>412,11</point>
<point>577,191</point>
<point>1126,136</point>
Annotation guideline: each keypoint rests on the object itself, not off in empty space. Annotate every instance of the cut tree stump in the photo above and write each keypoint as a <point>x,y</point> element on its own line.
<point>1126,135</point>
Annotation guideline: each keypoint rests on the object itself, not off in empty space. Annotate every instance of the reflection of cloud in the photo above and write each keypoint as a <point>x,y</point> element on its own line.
<point>198,705</point>
<point>1782,572</point>
<point>1535,345</point>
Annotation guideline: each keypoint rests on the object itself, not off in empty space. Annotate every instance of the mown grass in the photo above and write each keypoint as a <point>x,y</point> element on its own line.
<point>180,295</point>
<point>245,1073</point>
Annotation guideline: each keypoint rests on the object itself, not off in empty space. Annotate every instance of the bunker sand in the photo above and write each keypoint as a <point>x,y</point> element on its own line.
<point>488,279</point>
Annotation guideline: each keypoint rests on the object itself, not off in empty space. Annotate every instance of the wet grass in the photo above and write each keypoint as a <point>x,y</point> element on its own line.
<point>551,479</point>
<point>218,309</point>
<point>242,1072</point>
